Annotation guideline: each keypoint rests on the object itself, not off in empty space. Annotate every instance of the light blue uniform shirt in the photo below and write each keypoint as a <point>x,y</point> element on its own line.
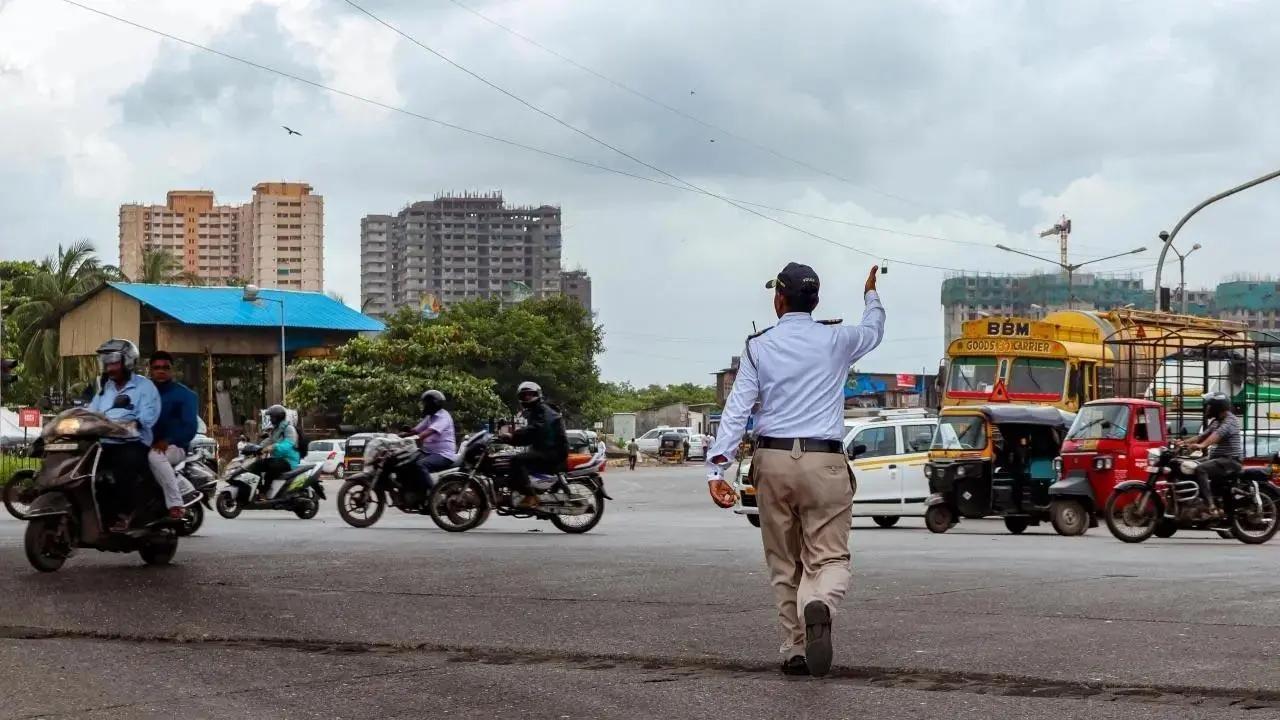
<point>797,371</point>
<point>144,413</point>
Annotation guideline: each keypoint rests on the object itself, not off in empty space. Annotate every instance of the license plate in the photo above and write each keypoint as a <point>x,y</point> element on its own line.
<point>60,447</point>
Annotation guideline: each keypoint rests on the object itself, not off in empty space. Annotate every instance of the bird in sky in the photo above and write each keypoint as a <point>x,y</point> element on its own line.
<point>291,131</point>
<point>713,139</point>
<point>691,92</point>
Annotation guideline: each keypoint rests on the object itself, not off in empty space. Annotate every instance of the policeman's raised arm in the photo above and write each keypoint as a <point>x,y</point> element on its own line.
<point>864,337</point>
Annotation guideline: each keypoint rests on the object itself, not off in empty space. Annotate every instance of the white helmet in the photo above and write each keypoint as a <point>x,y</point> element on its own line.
<point>526,388</point>
<point>120,351</point>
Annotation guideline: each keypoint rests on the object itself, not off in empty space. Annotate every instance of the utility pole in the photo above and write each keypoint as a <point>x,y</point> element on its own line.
<point>1070,268</point>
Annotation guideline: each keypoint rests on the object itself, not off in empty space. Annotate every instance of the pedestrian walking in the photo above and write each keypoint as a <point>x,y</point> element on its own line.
<point>796,371</point>
<point>633,453</point>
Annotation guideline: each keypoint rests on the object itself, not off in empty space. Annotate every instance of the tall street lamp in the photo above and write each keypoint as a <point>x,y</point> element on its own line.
<point>1071,268</point>
<point>251,294</point>
<point>1182,268</point>
<point>1168,239</point>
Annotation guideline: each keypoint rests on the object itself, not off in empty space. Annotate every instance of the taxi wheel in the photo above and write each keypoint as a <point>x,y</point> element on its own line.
<point>885,521</point>
<point>754,520</point>
<point>939,519</point>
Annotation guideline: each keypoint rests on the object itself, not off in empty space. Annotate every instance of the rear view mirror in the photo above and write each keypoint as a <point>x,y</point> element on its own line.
<point>857,450</point>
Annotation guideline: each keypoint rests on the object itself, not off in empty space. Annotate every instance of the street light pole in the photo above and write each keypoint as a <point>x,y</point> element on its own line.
<point>1071,268</point>
<point>1182,269</point>
<point>251,294</point>
<point>1168,240</point>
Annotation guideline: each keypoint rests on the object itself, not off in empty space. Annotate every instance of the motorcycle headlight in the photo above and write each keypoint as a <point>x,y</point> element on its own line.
<point>1153,456</point>
<point>1188,467</point>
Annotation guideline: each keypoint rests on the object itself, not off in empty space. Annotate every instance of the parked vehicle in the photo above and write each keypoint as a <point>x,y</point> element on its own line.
<point>889,469</point>
<point>389,474</point>
<point>993,460</point>
<point>330,455</point>
<point>298,491</point>
<point>1169,499</point>
<point>65,514</point>
<point>463,498</point>
<point>1107,444</point>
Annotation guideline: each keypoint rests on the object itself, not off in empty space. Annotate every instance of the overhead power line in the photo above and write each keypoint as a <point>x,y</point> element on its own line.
<point>524,146</point>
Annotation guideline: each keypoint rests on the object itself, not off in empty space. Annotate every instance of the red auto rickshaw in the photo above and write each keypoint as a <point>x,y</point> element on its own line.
<point>1106,445</point>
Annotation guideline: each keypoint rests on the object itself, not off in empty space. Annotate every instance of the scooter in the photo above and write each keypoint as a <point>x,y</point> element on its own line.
<point>298,491</point>
<point>198,485</point>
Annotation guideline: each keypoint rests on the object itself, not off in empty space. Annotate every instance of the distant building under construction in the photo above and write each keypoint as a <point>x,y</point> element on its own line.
<point>459,247</point>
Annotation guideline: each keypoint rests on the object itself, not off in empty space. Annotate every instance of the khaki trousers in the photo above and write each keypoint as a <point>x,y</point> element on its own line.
<point>806,508</point>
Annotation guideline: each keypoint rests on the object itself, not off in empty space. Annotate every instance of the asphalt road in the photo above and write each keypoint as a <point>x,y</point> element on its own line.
<point>663,611</point>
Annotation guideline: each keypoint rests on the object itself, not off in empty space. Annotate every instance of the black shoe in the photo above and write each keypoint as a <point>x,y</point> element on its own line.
<point>817,637</point>
<point>795,666</point>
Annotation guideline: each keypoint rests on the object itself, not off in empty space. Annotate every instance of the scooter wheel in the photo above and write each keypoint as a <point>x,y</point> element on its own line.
<point>227,506</point>
<point>192,519</point>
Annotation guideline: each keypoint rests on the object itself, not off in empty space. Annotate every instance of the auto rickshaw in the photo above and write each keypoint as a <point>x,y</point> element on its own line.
<point>1106,445</point>
<point>993,460</point>
<point>671,448</point>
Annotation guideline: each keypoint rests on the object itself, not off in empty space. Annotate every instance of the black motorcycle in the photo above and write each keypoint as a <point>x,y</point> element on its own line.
<point>463,498</point>
<point>1170,500</point>
<point>66,513</point>
<point>389,474</point>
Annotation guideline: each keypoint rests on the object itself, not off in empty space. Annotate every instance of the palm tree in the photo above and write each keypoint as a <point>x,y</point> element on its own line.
<point>51,291</point>
<point>160,267</point>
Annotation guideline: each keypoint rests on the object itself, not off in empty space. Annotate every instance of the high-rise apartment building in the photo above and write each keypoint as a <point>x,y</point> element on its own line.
<point>577,285</point>
<point>276,240</point>
<point>458,247</point>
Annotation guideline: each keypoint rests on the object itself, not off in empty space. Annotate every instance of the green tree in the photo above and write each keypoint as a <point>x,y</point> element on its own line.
<point>623,397</point>
<point>160,267</point>
<point>48,293</point>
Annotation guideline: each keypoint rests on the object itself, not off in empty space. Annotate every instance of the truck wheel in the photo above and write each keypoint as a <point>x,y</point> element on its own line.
<point>1069,517</point>
<point>939,519</point>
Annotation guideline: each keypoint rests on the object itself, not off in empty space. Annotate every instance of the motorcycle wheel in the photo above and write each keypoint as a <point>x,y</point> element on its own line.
<point>307,505</point>
<point>159,551</point>
<point>359,506</point>
<point>939,519</point>
<point>227,506</point>
<point>15,491</point>
<point>192,519</point>
<point>577,524</point>
<point>1136,520</point>
<point>458,504</point>
<point>41,543</point>
<point>1253,527</point>
<point>1069,517</point>
<point>1166,529</point>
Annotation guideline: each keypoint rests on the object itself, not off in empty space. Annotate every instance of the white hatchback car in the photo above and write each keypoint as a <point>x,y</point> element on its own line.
<point>330,454</point>
<point>890,472</point>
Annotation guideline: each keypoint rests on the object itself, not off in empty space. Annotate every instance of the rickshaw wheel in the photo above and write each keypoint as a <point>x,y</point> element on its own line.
<point>1069,517</point>
<point>1017,525</point>
<point>939,519</point>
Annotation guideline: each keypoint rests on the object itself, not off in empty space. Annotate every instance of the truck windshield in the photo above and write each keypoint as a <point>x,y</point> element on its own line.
<point>1028,376</point>
<point>972,375</point>
<point>960,432</point>
<point>1100,422</point>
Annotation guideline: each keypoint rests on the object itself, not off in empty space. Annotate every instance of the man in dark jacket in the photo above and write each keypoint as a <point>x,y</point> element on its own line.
<point>547,446</point>
<point>173,432</point>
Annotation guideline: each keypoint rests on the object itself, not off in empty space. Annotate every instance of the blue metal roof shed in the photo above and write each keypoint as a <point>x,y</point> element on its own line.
<point>226,306</point>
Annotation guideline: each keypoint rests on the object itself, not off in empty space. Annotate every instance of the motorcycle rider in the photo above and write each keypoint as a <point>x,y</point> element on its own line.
<point>126,398</point>
<point>1222,433</point>
<point>173,432</point>
<point>547,446</point>
<point>439,444</point>
<point>280,454</point>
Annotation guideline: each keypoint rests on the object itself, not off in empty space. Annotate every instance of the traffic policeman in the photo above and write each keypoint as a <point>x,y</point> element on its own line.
<point>797,371</point>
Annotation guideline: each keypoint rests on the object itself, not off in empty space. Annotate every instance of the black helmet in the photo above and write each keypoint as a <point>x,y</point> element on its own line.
<point>120,351</point>
<point>432,401</point>
<point>1216,403</point>
<point>529,393</point>
<point>276,415</point>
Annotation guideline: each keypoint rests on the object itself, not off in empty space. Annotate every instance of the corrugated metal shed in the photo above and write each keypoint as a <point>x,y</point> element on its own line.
<point>226,306</point>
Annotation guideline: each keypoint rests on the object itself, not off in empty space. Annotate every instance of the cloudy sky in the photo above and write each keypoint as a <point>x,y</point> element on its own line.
<point>974,123</point>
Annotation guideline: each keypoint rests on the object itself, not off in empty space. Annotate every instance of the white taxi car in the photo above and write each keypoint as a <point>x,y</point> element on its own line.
<point>890,472</point>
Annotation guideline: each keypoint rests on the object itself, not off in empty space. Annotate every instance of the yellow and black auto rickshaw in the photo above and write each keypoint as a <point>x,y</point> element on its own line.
<point>993,460</point>
<point>672,447</point>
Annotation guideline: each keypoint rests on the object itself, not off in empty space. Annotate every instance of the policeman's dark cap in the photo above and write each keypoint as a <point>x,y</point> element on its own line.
<point>795,279</point>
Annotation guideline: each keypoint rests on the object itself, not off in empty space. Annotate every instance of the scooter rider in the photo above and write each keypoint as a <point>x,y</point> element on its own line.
<point>1222,433</point>
<point>439,444</point>
<point>544,437</point>
<point>126,398</point>
<point>280,452</point>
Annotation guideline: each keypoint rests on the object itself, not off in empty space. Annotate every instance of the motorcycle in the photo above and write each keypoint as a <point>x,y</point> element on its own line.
<point>65,513</point>
<point>1170,500</point>
<point>464,497</point>
<point>194,476</point>
<point>389,474</point>
<point>298,491</point>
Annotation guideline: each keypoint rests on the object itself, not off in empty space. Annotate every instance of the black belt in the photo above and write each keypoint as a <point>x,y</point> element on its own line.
<point>813,445</point>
